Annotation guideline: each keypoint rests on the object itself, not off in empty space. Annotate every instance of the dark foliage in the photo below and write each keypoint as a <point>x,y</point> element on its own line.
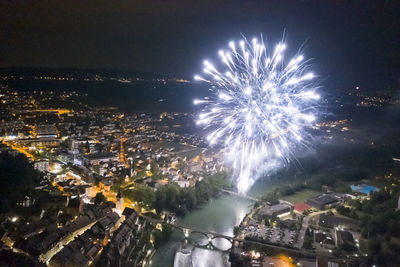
<point>18,179</point>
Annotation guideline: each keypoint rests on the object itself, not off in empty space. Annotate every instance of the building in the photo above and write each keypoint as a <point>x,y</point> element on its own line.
<point>128,212</point>
<point>301,207</point>
<point>68,257</point>
<point>398,204</point>
<point>183,183</point>
<point>319,237</point>
<point>80,173</point>
<point>40,142</point>
<point>195,167</point>
<point>132,167</point>
<point>82,251</point>
<point>77,227</point>
<point>322,201</point>
<point>323,261</point>
<point>26,202</point>
<point>42,166</point>
<point>88,190</point>
<point>46,131</point>
<point>343,237</point>
<point>95,159</point>
<point>331,221</point>
<point>126,234</point>
<point>120,203</point>
<point>106,225</point>
<point>277,210</point>
<point>324,239</point>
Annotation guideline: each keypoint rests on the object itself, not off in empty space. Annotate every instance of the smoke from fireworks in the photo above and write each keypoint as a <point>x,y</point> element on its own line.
<point>260,107</point>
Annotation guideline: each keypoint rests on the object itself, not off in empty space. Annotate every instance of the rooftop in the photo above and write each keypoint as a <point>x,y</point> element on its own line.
<point>101,155</point>
<point>322,199</point>
<point>301,206</point>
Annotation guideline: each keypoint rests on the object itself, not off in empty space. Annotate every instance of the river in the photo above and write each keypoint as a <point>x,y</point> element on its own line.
<point>219,215</point>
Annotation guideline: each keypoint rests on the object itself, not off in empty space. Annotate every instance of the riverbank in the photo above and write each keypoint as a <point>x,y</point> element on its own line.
<point>218,215</point>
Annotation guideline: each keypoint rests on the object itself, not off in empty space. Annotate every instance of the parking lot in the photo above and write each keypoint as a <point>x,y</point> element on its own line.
<point>271,234</point>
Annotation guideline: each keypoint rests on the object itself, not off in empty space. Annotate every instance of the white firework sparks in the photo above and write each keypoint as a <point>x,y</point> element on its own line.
<point>260,107</point>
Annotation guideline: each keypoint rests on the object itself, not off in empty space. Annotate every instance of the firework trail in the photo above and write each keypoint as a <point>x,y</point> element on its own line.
<point>260,107</point>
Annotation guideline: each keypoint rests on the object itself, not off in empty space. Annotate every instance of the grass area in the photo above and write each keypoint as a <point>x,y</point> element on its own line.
<point>263,186</point>
<point>301,196</point>
<point>376,183</point>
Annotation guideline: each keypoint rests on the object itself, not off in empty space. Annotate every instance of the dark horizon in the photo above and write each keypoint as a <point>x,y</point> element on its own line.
<point>350,43</point>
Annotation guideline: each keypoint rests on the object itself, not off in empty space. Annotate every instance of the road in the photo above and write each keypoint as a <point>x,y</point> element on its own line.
<point>304,227</point>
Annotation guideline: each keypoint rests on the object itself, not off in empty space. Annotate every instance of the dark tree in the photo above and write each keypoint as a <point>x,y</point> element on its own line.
<point>99,198</point>
<point>18,179</point>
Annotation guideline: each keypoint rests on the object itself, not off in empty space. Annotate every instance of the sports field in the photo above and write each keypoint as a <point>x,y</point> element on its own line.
<point>301,196</point>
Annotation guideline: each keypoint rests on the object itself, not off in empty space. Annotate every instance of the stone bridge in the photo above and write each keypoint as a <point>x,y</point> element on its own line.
<point>212,236</point>
<point>240,195</point>
<point>187,231</point>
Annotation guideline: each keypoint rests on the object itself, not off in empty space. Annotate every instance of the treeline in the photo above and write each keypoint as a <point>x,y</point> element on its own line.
<point>160,237</point>
<point>260,240</point>
<point>351,155</point>
<point>18,179</point>
<point>345,211</point>
<point>379,214</point>
<point>175,199</point>
<point>335,166</point>
<point>335,178</point>
<point>286,190</point>
<point>380,219</point>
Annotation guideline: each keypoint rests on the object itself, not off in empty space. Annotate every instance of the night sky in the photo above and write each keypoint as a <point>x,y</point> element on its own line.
<point>351,42</point>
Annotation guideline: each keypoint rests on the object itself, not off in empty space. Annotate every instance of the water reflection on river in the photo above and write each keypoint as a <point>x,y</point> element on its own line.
<point>219,216</point>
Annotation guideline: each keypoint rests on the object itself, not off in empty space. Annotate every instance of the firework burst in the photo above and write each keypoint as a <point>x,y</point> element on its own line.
<point>260,107</point>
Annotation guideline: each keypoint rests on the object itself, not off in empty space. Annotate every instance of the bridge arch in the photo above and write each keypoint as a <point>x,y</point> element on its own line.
<point>199,238</point>
<point>222,243</point>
